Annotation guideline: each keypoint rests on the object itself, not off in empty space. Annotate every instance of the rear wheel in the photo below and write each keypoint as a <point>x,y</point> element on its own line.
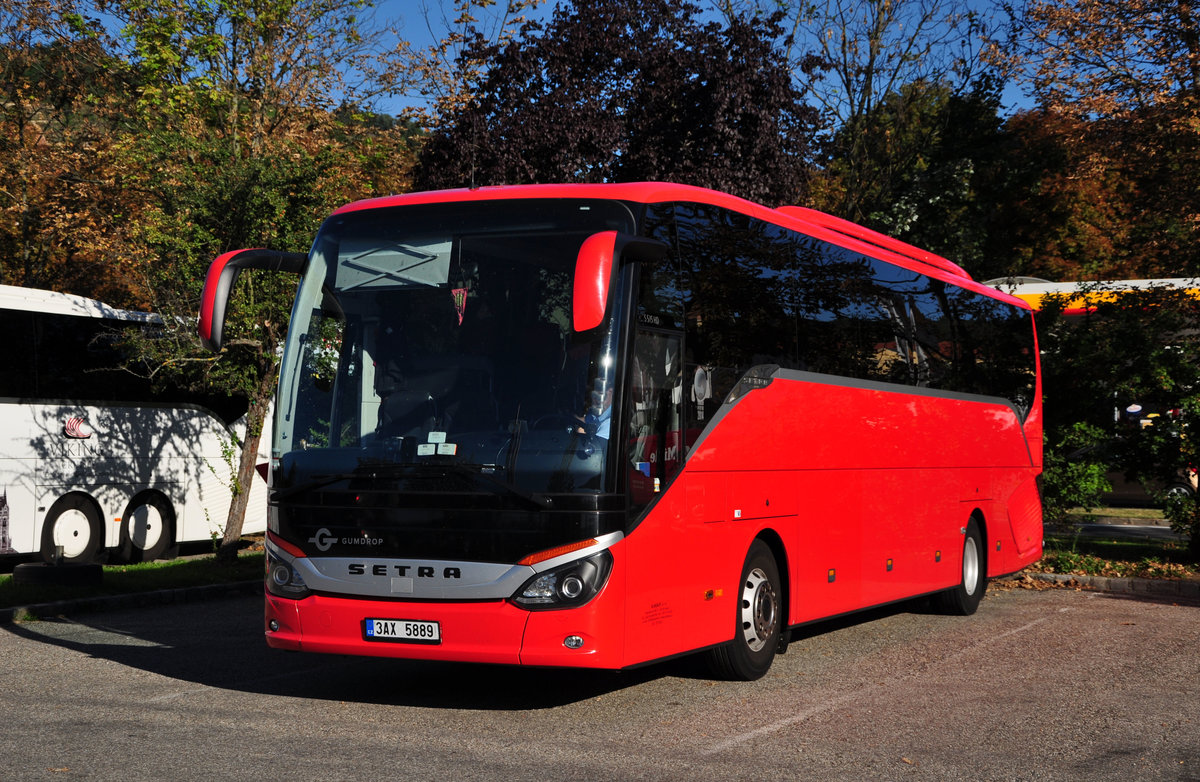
<point>73,524</point>
<point>147,528</point>
<point>964,598</point>
<point>758,621</point>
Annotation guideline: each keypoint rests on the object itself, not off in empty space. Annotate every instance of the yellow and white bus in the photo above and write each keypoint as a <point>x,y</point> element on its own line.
<point>1084,296</point>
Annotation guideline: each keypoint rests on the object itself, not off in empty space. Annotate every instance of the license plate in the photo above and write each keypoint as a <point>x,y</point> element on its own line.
<point>402,631</point>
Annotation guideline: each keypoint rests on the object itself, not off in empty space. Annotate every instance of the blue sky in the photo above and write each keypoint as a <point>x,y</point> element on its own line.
<point>415,17</point>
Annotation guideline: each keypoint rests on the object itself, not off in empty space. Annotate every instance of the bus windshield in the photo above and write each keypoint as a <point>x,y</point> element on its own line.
<point>438,339</point>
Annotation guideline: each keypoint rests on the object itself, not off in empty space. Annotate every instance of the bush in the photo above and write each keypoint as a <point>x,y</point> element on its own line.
<point>1183,512</point>
<point>1073,477</point>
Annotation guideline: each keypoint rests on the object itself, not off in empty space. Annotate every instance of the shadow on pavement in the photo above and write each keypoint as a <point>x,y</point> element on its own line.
<point>219,644</point>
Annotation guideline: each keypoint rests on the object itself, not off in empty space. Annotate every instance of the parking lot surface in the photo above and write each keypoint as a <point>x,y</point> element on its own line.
<point>1053,684</point>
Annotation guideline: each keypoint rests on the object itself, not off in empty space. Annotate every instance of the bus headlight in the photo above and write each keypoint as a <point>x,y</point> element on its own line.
<point>566,586</point>
<point>283,579</point>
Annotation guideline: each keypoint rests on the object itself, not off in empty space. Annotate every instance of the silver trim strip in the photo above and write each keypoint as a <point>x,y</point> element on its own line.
<point>394,578</point>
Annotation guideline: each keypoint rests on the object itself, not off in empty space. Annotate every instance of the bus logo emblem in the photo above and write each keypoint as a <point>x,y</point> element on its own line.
<point>77,429</point>
<point>323,540</point>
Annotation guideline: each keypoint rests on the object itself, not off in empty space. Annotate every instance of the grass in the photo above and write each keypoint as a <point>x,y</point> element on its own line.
<point>1079,556</point>
<point>139,578</point>
<point>1148,514</point>
<point>1074,554</point>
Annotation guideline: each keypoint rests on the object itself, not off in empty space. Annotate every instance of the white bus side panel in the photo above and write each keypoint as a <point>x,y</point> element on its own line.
<point>110,454</point>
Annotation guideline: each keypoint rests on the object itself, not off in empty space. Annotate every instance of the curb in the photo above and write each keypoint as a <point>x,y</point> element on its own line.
<point>134,600</point>
<point>1159,587</point>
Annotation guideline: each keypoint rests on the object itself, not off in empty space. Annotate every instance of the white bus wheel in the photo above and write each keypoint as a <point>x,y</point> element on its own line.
<point>963,599</point>
<point>147,528</point>
<point>73,524</point>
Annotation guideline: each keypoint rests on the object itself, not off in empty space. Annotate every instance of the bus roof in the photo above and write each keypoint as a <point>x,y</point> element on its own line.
<point>13,297</point>
<point>1032,290</point>
<point>809,221</point>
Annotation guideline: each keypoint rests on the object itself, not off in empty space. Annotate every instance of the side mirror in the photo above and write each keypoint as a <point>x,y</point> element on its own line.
<point>218,284</point>
<point>594,272</point>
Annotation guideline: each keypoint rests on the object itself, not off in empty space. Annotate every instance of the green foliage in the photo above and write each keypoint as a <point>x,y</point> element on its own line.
<point>1079,563</point>
<point>1073,476</point>
<point>922,166</point>
<point>1182,508</point>
<point>1183,512</point>
<point>207,202</point>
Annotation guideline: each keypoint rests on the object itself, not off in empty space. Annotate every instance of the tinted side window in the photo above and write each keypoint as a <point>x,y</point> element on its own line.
<point>853,323</point>
<point>741,299</point>
<point>80,358</point>
<point>756,294</point>
<point>660,298</point>
<point>936,338</point>
<point>18,377</point>
<point>996,343</point>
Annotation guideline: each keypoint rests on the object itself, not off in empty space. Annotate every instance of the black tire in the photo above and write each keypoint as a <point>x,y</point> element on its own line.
<point>1181,490</point>
<point>74,524</point>
<point>963,599</point>
<point>758,621</point>
<point>147,528</point>
<point>46,573</point>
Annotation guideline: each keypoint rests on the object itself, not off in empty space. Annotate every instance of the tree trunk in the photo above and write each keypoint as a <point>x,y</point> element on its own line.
<point>248,460</point>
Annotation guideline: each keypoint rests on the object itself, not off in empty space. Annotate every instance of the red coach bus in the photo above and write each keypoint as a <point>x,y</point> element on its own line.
<point>603,425</point>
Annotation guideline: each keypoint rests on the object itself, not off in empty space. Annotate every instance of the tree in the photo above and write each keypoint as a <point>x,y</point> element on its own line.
<point>607,91</point>
<point>65,215</point>
<point>251,67</point>
<point>876,56</point>
<point>243,201</point>
<point>931,159</point>
<point>239,146</point>
<point>1108,58</point>
<point>440,76</point>
<point>1129,71</point>
<point>127,163</point>
<point>1063,205</point>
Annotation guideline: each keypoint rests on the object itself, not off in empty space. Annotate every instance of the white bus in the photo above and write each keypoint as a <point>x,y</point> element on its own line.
<point>94,464</point>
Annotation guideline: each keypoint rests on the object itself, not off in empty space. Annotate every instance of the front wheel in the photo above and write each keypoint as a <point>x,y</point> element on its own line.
<point>758,622</point>
<point>963,599</point>
<point>73,527</point>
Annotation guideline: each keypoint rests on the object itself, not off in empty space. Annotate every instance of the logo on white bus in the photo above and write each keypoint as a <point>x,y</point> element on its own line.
<point>77,429</point>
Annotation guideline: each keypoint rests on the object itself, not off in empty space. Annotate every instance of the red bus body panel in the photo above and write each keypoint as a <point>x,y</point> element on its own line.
<point>854,482</point>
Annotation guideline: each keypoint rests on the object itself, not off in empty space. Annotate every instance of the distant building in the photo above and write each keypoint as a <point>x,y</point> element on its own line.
<point>5,540</point>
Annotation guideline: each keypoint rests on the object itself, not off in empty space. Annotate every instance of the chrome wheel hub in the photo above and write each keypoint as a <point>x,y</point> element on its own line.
<point>760,610</point>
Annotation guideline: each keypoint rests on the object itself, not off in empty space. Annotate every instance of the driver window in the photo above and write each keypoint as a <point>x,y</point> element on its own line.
<point>655,437</point>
